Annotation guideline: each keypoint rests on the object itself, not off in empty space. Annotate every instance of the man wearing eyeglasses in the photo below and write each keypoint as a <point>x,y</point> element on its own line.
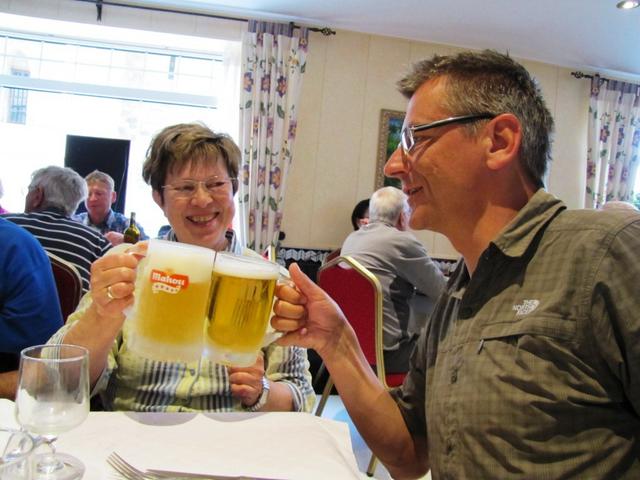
<point>529,367</point>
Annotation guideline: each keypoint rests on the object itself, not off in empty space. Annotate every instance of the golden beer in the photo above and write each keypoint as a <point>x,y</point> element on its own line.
<point>171,302</point>
<point>173,318</point>
<point>241,298</point>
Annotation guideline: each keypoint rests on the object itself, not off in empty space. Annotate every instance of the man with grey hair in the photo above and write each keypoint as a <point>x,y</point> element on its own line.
<point>101,196</point>
<point>530,364</point>
<point>53,195</point>
<point>401,264</point>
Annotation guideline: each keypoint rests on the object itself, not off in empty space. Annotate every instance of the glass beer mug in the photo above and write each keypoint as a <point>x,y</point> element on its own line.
<point>171,301</point>
<point>191,301</point>
<point>241,299</point>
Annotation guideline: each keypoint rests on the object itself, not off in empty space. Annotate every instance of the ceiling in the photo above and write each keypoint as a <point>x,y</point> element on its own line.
<point>584,34</point>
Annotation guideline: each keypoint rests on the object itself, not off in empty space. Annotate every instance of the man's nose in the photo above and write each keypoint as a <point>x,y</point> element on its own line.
<point>397,164</point>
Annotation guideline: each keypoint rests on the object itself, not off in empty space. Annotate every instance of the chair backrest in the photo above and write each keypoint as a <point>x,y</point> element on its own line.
<point>331,255</point>
<point>68,283</point>
<point>359,295</point>
<point>269,253</point>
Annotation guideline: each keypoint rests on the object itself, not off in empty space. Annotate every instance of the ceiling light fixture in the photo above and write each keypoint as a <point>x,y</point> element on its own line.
<point>628,4</point>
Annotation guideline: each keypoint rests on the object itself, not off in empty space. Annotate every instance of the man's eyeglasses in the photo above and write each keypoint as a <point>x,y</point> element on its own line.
<point>214,186</point>
<point>408,140</point>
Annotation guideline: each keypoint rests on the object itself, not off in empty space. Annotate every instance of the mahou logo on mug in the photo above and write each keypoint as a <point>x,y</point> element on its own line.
<point>168,283</point>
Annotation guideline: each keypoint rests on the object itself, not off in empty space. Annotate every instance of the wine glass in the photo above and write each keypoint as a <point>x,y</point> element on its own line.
<point>52,398</point>
<point>15,448</point>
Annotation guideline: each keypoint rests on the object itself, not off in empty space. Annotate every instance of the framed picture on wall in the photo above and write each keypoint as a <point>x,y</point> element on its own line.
<point>388,139</point>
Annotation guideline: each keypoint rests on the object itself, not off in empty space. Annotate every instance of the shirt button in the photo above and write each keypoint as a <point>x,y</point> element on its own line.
<point>454,376</point>
<point>192,371</point>
<point>449,448</point>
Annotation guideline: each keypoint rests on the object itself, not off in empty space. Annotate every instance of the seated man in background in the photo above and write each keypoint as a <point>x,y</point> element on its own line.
<point>401,264</point>
<point>99,214</point>
<point>29,308</point>
<point>54,194</point>
<point>618,205</point>
<point>360,214</point>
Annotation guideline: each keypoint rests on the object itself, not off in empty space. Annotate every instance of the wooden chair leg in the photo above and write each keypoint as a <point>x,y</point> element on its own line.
<point>371,469</point>
<point>325,396</point>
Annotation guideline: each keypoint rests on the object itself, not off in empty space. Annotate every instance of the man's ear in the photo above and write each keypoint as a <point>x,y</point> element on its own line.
<point>35,198</point>
<point>157,198</point>
<point>38,197</point>
<point>503,136</point>
<point>114,197</point>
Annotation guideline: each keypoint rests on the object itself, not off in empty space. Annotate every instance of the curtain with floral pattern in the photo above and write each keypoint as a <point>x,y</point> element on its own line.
<point>273,64</point>
<point>614,138</point>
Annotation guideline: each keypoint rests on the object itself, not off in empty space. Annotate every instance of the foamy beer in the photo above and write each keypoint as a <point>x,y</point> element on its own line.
<point>171,301</point>
<point>241,298</point>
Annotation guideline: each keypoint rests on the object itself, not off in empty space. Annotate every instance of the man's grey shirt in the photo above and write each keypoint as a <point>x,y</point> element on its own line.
<point>401,264</point>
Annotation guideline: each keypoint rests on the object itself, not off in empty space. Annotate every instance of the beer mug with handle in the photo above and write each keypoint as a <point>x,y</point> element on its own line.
<point>172,294</point>
<point>241,299</point>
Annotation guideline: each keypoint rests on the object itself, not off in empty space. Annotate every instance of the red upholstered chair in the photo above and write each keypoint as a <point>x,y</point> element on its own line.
<point>331,255</point>
<point>359,294</point>
<point>68,283</point>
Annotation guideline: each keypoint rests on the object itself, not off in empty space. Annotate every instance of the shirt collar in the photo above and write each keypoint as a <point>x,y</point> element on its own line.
<point>105,223</point>
<point>109,219</point>
<point>55,210</point>
<point>517,236</point>
<point>233,245</point>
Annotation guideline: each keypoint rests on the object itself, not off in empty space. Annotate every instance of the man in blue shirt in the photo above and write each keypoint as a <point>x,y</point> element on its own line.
<point>29,307</point>
<point>99,214</point>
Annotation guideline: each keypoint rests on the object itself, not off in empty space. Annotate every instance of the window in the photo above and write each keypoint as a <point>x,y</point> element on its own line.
<point>79,82</point>
<point>17,111</point>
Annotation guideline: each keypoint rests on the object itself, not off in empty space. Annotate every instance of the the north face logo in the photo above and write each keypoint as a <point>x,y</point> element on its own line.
<point>165,282</point>
<point>526,307</point>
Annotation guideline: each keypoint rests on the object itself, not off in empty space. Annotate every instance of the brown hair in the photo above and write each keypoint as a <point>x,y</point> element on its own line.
<point>490,81</point>
<point>176,146</point>
<point>98,176</point>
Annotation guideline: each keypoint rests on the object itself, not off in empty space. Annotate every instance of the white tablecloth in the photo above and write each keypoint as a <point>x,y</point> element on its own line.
<point>274,445</point>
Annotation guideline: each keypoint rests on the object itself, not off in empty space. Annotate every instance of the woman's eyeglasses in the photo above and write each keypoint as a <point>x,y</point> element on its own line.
<point>214,186</point>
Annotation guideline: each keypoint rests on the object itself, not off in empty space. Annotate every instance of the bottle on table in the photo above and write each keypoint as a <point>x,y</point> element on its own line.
<point>132,233</point>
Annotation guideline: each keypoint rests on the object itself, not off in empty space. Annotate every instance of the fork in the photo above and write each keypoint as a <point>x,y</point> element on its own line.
<point>127,470</point>
<point>130,472</point>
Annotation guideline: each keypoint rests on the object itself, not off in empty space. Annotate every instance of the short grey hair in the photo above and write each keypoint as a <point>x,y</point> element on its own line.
<point>489,81</point>
<point>387,205</point>
<point>618,205</point>
<point>63,188</point>
<point>98,176</point>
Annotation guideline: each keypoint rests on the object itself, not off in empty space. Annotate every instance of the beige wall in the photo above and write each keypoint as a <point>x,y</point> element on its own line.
<point>350,78</point>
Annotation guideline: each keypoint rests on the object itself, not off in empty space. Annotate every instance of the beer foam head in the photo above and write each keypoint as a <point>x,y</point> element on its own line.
<point>181,258</point>
<point>245,267</point>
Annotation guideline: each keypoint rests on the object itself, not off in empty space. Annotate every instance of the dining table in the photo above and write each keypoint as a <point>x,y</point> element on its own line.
<point>272,445</point>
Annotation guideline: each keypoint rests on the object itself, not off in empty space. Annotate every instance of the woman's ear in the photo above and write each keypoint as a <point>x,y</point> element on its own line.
<point>157,197</point>
<point>503,139</point>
